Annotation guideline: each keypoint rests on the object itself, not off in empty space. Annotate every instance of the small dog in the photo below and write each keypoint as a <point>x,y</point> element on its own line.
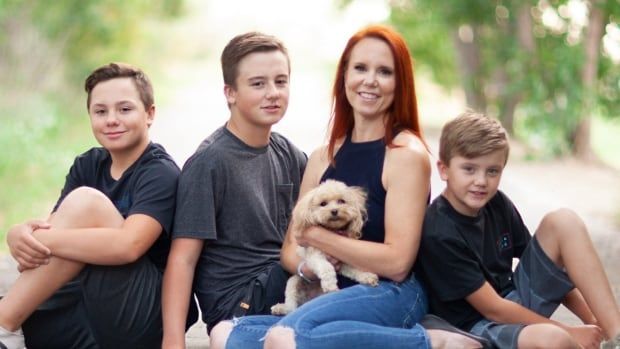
<point>342,209</point>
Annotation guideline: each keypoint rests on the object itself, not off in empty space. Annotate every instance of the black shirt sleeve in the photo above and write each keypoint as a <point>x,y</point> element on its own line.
<point>155,193</point>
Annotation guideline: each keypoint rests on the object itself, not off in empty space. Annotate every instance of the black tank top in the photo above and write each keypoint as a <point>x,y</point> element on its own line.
<point>361,164</point>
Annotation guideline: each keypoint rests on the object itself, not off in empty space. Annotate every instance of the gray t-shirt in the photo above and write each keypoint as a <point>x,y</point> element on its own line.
<point>238,199</point>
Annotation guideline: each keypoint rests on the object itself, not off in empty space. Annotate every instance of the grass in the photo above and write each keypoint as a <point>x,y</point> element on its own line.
<point>37,153</point>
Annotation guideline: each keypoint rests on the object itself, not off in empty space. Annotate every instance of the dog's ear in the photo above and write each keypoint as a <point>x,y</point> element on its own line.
<point>357,197</point>
<point>301,212</point>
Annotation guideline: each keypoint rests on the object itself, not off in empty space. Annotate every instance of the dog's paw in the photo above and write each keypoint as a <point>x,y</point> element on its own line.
<point>329,286</point>
<point>369,279</point>
<point>280,309</point>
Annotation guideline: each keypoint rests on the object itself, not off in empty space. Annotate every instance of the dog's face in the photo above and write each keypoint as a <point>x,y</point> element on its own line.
<point>335,206</point>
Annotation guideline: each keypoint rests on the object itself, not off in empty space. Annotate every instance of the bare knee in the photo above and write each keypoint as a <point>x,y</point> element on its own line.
<point>545,336</point>
<point>219,335</point>
<point>87,207</point>
<point>280,338</point>
<point>560,226</point>
<point>561,221</point>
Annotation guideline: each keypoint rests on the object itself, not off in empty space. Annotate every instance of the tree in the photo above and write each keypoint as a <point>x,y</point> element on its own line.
<point>525,62</point>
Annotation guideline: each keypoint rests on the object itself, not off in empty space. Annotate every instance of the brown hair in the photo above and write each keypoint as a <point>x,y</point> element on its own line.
<point>121,70</point>
<point>243,45</point>
<point>402,114</point>
<point>471,135</point>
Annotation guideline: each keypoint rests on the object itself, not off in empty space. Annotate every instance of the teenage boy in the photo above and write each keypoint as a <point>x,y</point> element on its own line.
<point>108,235</point>
<point>235,197</point>
<point>473,231</point>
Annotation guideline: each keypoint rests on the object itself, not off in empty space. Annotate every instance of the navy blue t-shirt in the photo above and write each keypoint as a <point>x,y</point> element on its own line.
<point>146,187</point>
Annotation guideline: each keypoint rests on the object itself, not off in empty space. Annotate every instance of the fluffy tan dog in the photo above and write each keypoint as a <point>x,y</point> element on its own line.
<point>341,209</point>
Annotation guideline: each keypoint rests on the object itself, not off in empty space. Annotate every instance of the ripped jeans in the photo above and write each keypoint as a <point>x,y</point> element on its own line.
<point>360,316</point>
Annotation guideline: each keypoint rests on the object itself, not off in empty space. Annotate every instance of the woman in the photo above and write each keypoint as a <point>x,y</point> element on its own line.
<point>375,143</point>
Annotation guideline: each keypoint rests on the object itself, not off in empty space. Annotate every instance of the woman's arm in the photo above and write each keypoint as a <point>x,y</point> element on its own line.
<point>406,178</point>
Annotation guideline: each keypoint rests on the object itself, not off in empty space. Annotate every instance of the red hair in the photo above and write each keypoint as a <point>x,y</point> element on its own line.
<point>402,114</point>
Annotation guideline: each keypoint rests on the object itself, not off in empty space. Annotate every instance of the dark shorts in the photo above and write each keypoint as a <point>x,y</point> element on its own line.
<point>105,307</point>
<point>263,292</point>
<point>541,286</point>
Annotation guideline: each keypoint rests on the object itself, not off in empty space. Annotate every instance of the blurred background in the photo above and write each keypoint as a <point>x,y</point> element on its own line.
<point>548,69</point>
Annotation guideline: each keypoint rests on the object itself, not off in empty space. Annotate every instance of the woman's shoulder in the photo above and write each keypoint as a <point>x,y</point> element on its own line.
<point>409,147</point>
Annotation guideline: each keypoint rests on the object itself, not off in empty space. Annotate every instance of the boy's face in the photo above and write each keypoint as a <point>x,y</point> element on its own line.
<point>261,96</point>
<point>471,183</point>
<point>118,118</point>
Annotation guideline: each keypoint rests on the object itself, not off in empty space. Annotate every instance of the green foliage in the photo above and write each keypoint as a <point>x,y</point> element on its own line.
<point>47,50</point>
<point>37,153</point>
<point>429,40</point>
<point>92,32</point>
<point>544,81</point>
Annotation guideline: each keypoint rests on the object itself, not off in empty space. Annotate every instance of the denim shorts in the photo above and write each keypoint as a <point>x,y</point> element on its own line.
<point>540,285</point>
<point>360,316</point>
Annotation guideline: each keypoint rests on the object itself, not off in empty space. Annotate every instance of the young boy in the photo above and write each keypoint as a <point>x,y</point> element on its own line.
<point>235,197</point>
<point>473,231</point>
<point>107,238</point>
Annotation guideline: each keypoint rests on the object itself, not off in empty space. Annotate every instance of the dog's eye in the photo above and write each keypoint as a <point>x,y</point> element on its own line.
<point>341,201</point>
<point>323,203</point>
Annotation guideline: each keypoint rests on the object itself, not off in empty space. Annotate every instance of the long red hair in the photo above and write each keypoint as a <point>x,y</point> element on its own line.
<point>402,114</point>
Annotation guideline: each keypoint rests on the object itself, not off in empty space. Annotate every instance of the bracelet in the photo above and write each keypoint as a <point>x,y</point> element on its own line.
<point>301,273</point>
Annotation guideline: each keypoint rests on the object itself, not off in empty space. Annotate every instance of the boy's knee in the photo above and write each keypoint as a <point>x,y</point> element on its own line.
<point>83,199</point>
<point>280,337</point>
<point>545,336</point>
<point>88,207</point>
<point>219,334</point>
<point>562,221</point>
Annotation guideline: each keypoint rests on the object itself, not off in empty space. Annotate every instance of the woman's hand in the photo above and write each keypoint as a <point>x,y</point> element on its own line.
<point>303,237</point>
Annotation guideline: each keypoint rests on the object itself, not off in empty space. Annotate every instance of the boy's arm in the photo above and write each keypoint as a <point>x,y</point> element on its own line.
<point>495,308</point>
<point>103,246</point>
<point>177,289</point>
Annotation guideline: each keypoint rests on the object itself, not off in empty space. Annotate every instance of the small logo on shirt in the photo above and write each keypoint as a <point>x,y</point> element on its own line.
<point>504,242</point>
<point>123,204</point>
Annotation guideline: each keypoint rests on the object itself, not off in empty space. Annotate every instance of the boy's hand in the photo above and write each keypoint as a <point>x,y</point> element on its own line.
<point>25,249</point>
<point>588,336</point>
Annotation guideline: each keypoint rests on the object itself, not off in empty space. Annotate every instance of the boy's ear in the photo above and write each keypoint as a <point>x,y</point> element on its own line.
<point>150,115</point>
<point>443,170</point>
<point>230,93</point>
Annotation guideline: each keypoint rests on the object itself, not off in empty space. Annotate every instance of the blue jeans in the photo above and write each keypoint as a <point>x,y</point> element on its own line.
<point>360,316</point>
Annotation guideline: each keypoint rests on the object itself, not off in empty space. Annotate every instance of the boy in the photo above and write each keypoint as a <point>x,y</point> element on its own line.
<point>108,232</point>
<point>473,231</point>
<point>235,197</point>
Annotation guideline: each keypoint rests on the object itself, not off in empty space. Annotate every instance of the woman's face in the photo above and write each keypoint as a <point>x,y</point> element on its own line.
<point>369,78</point>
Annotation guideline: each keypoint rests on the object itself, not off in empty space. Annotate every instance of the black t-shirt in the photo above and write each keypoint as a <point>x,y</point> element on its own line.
<point>459,253</point>
<point>146,187</point>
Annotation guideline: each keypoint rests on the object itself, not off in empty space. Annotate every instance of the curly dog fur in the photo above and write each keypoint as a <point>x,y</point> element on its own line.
<point>342,209</point>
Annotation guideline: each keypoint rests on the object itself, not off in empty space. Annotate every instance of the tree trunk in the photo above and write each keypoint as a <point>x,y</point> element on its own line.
<point>468,52</point>
<point>580,142</point>
<point>525,38</point>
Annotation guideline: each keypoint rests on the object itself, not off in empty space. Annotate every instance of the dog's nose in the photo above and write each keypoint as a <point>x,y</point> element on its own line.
<point>334,212</point>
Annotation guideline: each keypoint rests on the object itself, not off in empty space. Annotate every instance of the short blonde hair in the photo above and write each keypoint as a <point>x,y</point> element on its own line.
<point>472,135</point>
